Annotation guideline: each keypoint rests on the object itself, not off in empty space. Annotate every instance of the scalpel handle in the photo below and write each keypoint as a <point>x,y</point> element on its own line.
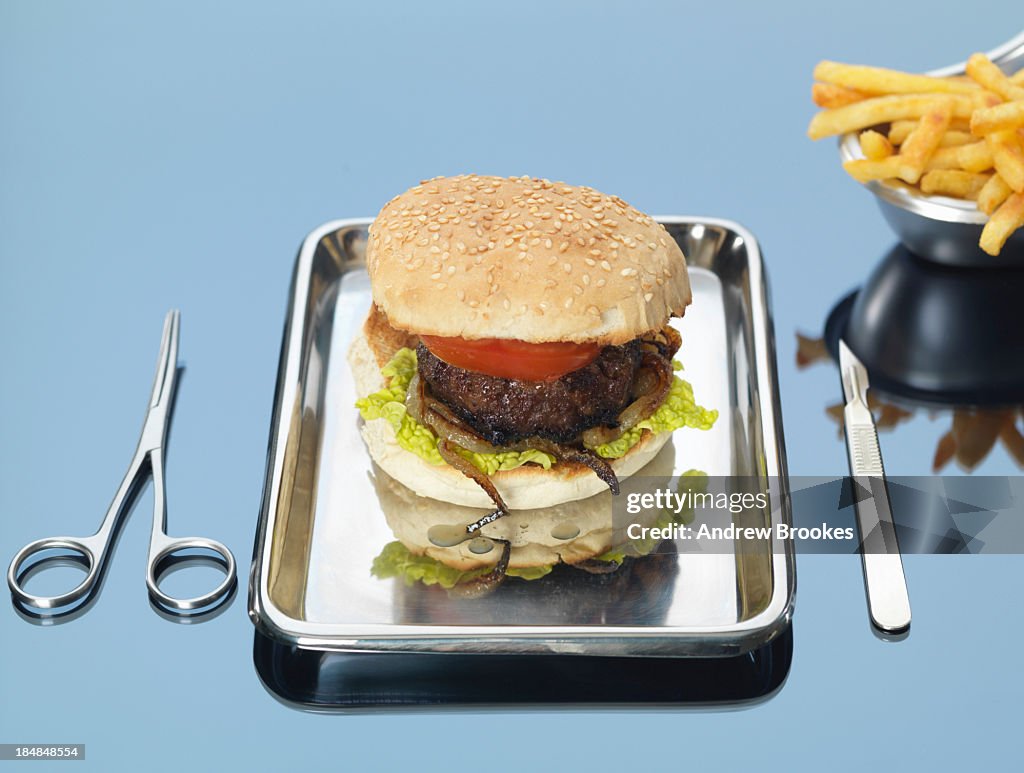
<point>884,581</point>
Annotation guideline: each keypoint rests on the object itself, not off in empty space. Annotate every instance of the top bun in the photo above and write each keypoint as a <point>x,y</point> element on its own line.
<point>523,258</point>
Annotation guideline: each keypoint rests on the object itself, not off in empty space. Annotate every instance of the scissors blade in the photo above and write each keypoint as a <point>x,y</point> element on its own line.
<point>167,365</point>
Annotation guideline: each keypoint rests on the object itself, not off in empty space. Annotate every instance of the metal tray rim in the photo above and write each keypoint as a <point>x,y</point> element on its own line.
<point>729,639</point>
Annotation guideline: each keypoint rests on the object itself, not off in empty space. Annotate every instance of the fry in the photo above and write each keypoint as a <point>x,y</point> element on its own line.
<point>831,95</point>
<point>878,110</point>
<point>900,130</point>
<point>993,194</point>
<point>944,158</point>
<point>879,80</point>
<point>1008,158</point>
<point>1008,115</point>
<point>954,138</point>
<point>874,145</point>
<point>976,157</point>
<point>990,77</point>
<point>958,134</point>
<point>1017,79</point>
<point>953,182</point>
<point>864,169</point>
<point>1004,221</point>
<point>924,141</point>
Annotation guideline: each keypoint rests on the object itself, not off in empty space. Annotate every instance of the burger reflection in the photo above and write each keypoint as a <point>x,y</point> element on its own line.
<point>571,564</point>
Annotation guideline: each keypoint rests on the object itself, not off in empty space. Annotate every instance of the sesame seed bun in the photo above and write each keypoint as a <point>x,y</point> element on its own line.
<point>524,488</point>
<point>523,258</point>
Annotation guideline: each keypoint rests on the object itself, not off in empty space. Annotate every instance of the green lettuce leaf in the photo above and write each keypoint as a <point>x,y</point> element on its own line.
<point>397,561</point>
<point>678,410</point>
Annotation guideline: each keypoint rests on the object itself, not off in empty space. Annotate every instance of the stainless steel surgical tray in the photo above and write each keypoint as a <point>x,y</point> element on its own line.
<point>321,523</point>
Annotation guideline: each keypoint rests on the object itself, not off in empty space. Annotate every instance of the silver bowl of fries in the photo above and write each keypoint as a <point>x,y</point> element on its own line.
<point>943,152</point>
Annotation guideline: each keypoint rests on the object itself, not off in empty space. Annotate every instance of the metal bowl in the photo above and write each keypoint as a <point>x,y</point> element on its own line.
<point>939,228</point>
<point>936,335</point>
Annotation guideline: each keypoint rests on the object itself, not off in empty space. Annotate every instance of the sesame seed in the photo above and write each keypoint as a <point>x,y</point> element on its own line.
<point>563,246</point>
<point>648,296</point>
<point>568,302</point>
<point>606,265</point>
<point>435,275</point>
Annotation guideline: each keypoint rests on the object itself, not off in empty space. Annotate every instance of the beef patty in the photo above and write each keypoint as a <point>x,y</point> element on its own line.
<point>504,411</point>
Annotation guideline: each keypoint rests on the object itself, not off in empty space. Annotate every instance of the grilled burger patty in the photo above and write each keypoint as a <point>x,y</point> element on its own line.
<point>504,411</point>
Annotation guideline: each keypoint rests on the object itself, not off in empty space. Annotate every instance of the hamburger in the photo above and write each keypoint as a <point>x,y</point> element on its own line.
<point>517,353</point>
<point>434,559</point>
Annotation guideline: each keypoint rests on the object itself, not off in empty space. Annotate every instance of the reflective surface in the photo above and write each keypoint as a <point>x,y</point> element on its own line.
<point>313,584</point>
<point>157,156</point>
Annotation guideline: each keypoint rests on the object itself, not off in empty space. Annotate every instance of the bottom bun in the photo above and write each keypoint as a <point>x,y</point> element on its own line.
<point>524,488</point>
<point>566,533</point>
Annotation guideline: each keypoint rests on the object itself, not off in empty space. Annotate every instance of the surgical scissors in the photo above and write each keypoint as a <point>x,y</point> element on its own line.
<point>163,550</point>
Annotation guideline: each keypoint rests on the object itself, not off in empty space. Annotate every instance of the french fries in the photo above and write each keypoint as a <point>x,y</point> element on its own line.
<point>878,80</point>
<point>831,95</point>
<point>874,145</point>
<point>876,110</point>
<point>1004,221</point>
<point>1006,115</point>
<point>954,182</point>
<point>992,194</point>
<point>990,77</point>
<point>976,157</point>
<point>961,136</point>
<point>1008,157</point>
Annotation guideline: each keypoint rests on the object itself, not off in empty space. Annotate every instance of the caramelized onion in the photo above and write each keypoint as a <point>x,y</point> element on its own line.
<point>486,583</point>
<point>653,382</point>
<point>470,470</point>
<point>594,566</point>
<point>583,456</point>
<point>648,403</point>
<point>414,398</point>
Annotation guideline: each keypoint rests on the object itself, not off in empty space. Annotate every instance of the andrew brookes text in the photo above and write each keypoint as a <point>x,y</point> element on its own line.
<point>732,532</point>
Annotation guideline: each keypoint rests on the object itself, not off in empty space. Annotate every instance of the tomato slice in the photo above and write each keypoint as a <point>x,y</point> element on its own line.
<point>509,358</point>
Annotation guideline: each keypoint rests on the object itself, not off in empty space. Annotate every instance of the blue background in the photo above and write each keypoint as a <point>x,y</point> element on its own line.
<point>174,154</point>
